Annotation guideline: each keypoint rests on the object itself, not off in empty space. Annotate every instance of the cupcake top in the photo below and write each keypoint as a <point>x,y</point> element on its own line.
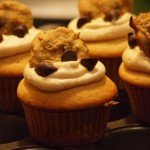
<point>141,25</point>
<point>59,60</point>
<point>16,28</point>
<point>137,55</point>
<point>13,15</point>
<point>103,20</point>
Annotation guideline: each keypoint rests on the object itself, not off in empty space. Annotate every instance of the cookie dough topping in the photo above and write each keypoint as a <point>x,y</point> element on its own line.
<point>108,9</point>
<point>60,61</point>
<point>15,18</point>
<point>141,25</point>
<point>53,45</point>
<point>112,16</point>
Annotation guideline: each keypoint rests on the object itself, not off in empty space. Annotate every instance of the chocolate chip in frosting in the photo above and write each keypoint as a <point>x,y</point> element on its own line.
<point>1,38</point>
<point>20,31</point>
<point>44,69</point>
<point>69,56</point>
<point>112,16</point>
<point>131,22</point>
<point>132,40</point>
<point>89,63</point>
<point>82,21</point>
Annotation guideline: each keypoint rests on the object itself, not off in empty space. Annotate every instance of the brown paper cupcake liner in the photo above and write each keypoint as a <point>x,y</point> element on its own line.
<point>8,95</point>
<point>112,67</point>
<point>67,129</point>
<point>140,102</point>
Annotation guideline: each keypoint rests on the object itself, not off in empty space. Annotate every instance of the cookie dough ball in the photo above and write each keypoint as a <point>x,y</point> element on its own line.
<point>129,5</point>
<point>99,8</point>
<point>51,44</point>
<point>141,25</point>
<point>13,14</point>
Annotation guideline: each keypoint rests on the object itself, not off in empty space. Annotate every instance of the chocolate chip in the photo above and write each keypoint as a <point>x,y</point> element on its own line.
<point>131,23</point>
<point>69,56</point>
<point>132,40</point>
<point>2,22</point>
<point>89,63</point>
<point>44,69</point>
<point>82,21</point>
<point>112,16</point>
<point>1,38</point>
<point>20,31</point>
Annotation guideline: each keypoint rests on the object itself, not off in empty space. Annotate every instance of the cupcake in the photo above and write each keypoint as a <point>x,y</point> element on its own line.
<point>16,34</point>
<point>65,95</point>
<point>103,25</point>
<point>135,68</point>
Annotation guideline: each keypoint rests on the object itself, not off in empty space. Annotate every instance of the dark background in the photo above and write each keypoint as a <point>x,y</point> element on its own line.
<point>142,6</point>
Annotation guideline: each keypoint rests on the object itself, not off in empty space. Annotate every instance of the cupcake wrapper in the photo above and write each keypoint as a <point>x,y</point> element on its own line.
<point>140,102</point>
<point>112,67</point>
<point>8,94</point>
<point>67,129</point>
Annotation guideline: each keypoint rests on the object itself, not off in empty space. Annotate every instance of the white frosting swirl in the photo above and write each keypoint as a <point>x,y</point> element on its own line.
<point>69,74</point>
<point>135,59</point>
<point>98,29</point>
<point>12,45</point>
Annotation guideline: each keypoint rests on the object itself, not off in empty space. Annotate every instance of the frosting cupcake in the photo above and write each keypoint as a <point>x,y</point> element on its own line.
<point>103,25</point>
<point>135,69</point>
<point>16,33</point>
<point>65,95</point>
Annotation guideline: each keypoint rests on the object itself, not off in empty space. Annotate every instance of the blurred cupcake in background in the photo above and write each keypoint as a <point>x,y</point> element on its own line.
<point>16,33</point>
<point>65,94</point>
<point>135,68</point>
<point>104,25</point>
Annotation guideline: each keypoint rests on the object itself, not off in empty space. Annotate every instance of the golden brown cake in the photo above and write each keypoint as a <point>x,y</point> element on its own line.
<point>135,68</point>
<point>104,25</point>
<point>66,97</point>
<point>16,34</point>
